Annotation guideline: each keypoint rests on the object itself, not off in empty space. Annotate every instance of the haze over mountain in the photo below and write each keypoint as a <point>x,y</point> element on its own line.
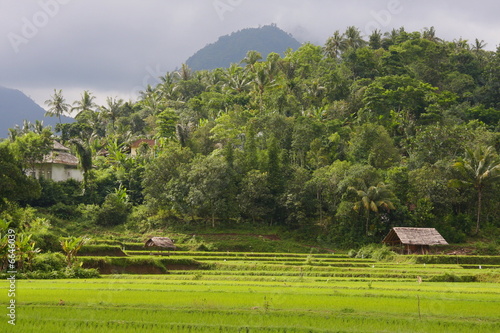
<point>232,48</point>
<point>15,107</point>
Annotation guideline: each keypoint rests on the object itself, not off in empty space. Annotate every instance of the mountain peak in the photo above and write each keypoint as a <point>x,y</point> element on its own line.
<point>233,48</point>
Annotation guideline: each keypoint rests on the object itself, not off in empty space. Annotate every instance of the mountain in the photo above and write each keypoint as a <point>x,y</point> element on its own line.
<point>234,47</point>
<point>15,107</point>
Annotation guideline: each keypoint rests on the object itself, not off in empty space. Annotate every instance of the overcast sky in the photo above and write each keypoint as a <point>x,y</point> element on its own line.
<point>117,47</point>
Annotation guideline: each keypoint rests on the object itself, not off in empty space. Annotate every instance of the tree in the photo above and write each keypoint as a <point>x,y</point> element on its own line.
<point>255,199</point>
<point>165,179</point>
<point>14,184</point>
<point>353,38</point>
<point>375,39</point>
<point>112,110</point>
<point>480,168</point>
<point>372,199</point>
<point>84,153</point>
<point>371,143</point>
<point>430,34</point>
<point>335,45</point>
<point>31,148</point>
<point>209,181</point>
<point>166,122</point>
<point>86,103</point>
<point>57,105</point>
<point>251,59</point>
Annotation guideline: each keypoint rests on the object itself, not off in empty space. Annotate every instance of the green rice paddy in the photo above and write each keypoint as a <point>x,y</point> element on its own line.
<point>244,292</point>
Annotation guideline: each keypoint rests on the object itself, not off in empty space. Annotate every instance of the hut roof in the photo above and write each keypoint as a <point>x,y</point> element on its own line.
<point>164,242</point>
<point>60,155</point>
<point>414,236</point>
<point>139,142</point>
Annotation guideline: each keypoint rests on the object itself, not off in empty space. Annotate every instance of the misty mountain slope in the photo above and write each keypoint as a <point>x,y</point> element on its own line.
<point>233,48</point>
<point>15,107</point>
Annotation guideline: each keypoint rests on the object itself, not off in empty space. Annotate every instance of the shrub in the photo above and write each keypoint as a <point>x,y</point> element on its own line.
<point>488,249</point>
<point>47,242</point>
<point>374,251</point>
<point>352,253</point>
<point>47,262</point>
<point>65,212</point>
<point>114,211</point>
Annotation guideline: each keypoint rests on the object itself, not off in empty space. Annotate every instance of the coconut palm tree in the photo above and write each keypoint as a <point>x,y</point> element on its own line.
<point>353,38</point>
<point>335,45</point>
<point>184,73</point>
<point>113,109</point>
<point>430,34</point>
<point>86,103</point>
<point>84,152</point>
<point>57,105</point>
<point>372,199</point>
<point>480,168</point>
<point>235,79</point>
<point>251,59</point>
<point>478,46</point>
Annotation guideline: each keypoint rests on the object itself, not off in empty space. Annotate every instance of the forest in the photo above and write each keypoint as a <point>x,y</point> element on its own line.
<point>336,143</point>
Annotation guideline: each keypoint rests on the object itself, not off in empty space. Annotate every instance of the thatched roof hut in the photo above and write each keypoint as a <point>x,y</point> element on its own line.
<point>415,240</point>
<point>161,243</point>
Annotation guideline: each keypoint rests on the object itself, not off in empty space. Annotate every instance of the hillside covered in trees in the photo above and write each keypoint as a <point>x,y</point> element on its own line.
<point>340,142</point>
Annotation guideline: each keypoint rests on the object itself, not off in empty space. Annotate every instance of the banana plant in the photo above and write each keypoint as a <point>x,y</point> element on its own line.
<point>71,246</point>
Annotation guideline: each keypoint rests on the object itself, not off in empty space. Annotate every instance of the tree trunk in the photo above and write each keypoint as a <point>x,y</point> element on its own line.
<point>367,222</point>
<point>479,203</point>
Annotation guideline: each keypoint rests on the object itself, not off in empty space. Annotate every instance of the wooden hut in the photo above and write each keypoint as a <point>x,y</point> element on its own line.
<point>160,243</point>
<point>414,240</point>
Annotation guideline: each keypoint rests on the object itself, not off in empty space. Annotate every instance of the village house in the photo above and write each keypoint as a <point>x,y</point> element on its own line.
<point>58,165</point>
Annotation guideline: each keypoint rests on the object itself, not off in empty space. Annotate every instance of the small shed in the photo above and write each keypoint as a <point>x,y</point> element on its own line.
<point>414,240</point>
<point>160,243</point>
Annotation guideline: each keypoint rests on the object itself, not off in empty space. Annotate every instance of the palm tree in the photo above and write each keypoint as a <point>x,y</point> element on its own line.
<point>461,44</point>
<point>261,80</point>
<point>375,39</point>
<point>335,45</point>
<point>166,89</point>
<point>184,73</point>
<point>430,34</point>
<point>353,38</point>
<point>57,105</point>
<point>84,152</point>
<point>373,199</point>
<point>86,103</point>
<point>113,109</point>
<point>235,79</point>
<point>251,59</point>
<point>478,45</point>
<point>479,168</point>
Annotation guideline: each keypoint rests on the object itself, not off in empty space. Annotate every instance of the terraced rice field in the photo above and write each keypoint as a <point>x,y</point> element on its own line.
<point>245,292</point>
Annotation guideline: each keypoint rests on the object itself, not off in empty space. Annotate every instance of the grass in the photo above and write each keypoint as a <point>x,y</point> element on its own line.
<point>264,292</point>
<point>134,303</point>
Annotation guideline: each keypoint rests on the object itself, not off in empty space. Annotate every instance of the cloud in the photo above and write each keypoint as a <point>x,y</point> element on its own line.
<point>117,46</point>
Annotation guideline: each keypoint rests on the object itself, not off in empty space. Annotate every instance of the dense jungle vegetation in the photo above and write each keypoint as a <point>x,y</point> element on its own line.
<point>337,143</point>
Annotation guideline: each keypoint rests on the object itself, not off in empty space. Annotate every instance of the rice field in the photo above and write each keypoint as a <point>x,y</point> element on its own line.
<point>245,292</point>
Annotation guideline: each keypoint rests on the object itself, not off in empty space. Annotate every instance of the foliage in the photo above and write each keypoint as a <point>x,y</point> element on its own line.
<point>338,143</point>
<point>71,246</point>
<point>114,210</point>
<point>375,251</point>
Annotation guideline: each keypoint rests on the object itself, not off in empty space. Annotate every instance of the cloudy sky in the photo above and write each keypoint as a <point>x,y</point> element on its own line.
<point>117,47</point>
